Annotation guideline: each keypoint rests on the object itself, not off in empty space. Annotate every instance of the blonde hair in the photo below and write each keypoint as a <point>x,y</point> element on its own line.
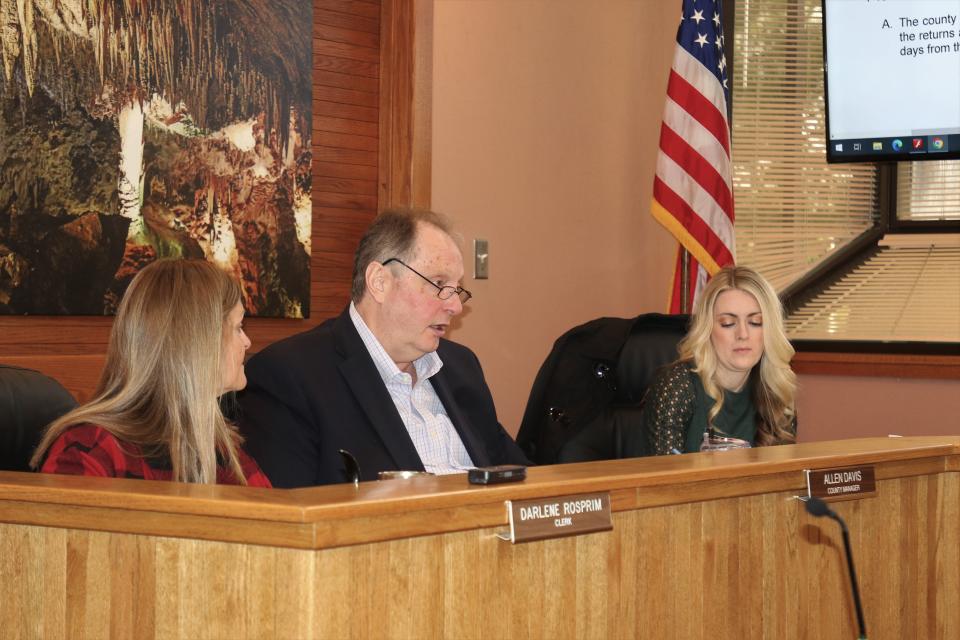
<point>774,382</point>
<point>162,374</point>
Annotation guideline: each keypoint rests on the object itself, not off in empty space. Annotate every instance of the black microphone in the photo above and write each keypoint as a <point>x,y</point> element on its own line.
<point>818,508</point>
<point>351,467</point>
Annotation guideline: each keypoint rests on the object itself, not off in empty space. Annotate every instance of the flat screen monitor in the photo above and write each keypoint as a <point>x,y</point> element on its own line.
<point>892,71</point>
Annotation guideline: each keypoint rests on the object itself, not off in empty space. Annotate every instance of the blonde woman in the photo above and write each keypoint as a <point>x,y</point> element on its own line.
<point>733,377</point>
<point>177,344</point>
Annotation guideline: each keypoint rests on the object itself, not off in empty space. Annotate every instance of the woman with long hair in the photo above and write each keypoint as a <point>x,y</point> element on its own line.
<point>177,344</point>
<point>733,377</point>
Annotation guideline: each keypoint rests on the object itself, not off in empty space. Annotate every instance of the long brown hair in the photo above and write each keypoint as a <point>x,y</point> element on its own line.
<point>162,374</point>
<point>774,382</point>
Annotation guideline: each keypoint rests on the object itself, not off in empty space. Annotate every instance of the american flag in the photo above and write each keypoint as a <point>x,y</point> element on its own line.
<point>692,191</point>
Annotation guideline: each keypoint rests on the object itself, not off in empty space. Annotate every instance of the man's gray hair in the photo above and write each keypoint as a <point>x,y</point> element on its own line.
<point>391,235</point>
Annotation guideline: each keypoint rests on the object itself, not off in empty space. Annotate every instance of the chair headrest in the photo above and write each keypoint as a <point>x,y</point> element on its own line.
<point>29,401</point>
<point>652,343</point>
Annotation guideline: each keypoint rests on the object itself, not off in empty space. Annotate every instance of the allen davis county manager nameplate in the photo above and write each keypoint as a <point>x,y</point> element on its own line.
<point>558,516</point>
<point>842,483</point>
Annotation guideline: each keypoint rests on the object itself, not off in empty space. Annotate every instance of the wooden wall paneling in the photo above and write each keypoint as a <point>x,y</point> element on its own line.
<point>358,53</point>
<point>346,160</point>
<point>53,335</point>
<point>78,374</point>
<point>72,584</point>
<point>944,556</point>
<point>344,111</point>
<point>332,16</point>
<point>889,365</point>
<point>350,36</point>
<point>595,603</point>
<point>15,546</point>
<point>458,585</point>
<point>421,148</point>
<point>780,531</point>
<point>366,8</point>
<point>406,40</point>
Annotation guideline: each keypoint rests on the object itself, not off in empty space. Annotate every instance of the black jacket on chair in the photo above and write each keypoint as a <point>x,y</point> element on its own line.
<point>592,383</point>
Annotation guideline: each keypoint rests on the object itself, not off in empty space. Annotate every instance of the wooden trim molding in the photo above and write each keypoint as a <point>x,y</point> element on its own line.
<point>886,365</point>
<point>79,374</point>
<point>344,515</point>
<point>406,103</point>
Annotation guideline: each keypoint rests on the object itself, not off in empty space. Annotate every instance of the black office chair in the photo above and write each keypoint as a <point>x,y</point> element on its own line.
<point>591,386</point>
<point>29,401</point>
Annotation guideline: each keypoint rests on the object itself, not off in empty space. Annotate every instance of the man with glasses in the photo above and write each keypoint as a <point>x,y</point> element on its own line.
<point>378,388</point>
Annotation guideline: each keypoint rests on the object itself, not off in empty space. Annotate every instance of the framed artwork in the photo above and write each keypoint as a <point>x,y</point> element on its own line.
<point>132,130</point>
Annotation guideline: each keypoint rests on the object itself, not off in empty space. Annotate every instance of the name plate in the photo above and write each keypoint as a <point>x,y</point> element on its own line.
<point>557,517</point>
<point>844,483</point>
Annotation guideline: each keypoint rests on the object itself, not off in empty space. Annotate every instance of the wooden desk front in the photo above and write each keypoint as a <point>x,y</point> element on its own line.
<point>703,546</point>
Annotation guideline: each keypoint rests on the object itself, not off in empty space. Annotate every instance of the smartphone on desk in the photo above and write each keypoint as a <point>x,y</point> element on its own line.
<point>497,474</point>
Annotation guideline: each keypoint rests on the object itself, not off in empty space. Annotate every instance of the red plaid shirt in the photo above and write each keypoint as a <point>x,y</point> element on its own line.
<point>89,450</point>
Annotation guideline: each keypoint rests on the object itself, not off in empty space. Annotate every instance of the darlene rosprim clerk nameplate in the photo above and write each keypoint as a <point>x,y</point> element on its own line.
<point>844,483</point>
<point>558,516</point>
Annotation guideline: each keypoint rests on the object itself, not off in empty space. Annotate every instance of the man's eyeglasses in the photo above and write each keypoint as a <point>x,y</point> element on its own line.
<point>444,293</point>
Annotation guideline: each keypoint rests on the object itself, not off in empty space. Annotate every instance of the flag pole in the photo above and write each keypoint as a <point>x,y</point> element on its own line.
<point>684,280</point>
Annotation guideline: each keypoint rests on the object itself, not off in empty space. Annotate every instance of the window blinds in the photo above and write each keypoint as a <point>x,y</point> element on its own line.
<point>909,290</point>
<point>928,191</point>
<point>792,209</point>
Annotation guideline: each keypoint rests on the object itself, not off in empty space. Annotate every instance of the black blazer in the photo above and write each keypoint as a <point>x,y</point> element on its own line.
<point>317,392</point>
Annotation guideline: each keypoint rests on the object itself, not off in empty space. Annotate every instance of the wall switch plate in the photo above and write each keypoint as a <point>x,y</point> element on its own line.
<point>481,259</point>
